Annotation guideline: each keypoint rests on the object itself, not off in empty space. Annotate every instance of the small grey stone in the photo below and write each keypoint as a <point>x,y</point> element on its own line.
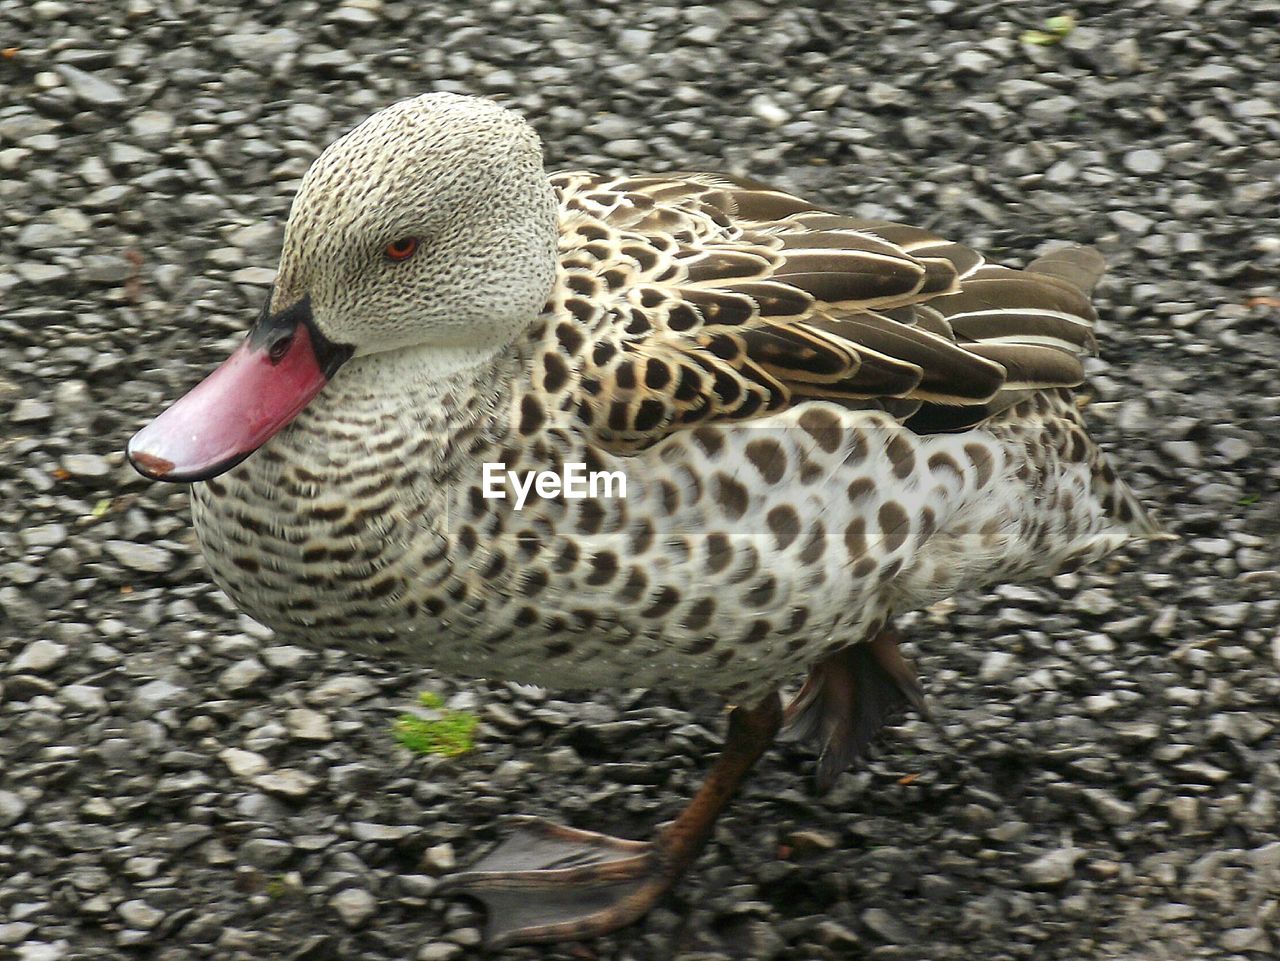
<point>264,47</point>
<point>881,94</point>
<point>628,148</point>
<point>266,853</point>
<point>242,763</point>
<point>141,557</point>
<point>1245,939</point>
<point>998,666</point>
<point>15,931</point>
<point>355,906</point>
<point>86,466</point>
<point>287,783</point>
<point>1056,867</point>
<point>1110,808</point>
<point>42,275</point>
<point>371,831</point>
<point>440,858</point>
<point>768,110</point>
<point>341,690</point>
<point>1131,222</point>
<point>1233,449</point>
<point>157,695</point>
<point>253,276</point>
<point>287,657</point>
<point>83,697</point>
<point>43,950</point>
<point>439,951</point>
<point>885,926</point>
<point>90,88</point>
<point>152,127</point>
<point>974,62</point>
<point>139,914</point>
<point>1144,161</point>
<point>1184,452</point>
<point>308,725</point>
<point>243,676</point>
<point>40,236</point>
<point>30,411</point>
<point>38,657</point>
<point>12,807</point>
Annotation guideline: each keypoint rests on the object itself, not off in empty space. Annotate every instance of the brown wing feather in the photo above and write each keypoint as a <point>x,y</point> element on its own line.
<point>693,297</point>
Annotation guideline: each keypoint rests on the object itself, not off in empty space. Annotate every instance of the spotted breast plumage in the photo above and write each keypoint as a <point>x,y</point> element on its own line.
<point>819,421</point>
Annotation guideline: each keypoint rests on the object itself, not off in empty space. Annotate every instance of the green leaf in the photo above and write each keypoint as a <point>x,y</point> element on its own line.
<point>449,735</point>
<point>1055,28</point>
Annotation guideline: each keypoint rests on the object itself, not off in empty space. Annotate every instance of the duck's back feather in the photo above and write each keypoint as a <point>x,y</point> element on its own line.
<point>688,298</point>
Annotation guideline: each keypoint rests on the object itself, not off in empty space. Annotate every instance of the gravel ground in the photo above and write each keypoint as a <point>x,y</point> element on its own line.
<point>1104,777</point>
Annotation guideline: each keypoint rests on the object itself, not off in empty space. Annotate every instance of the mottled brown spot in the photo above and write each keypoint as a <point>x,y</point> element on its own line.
<point>664,600</point>
<point>928,524</point>
<point>944,461</point>
<point>604,567</point>
<point>699,615</point>
<point>710,439</point>
<point>591,516</point>
<point>569,336</point>
<point>864,567</point>
<point>902,456</point>
<point>657,374</point>
<point>855,538</point>
<point>669,496</point>
<point>731,496</point>
<point>785,525</point>
<point>816,544</point>
<point>532,416</point>
<point>983,462</point>
<point>823,426</point>
<point>634,587</point>
<point>719,552</point>
<point>1078,448</point>
<point>567,559</point>
<point>555,373</point>
<point>762,593</point>
<point>650,414</point>
<point>641,538</point>
<point>799,617</point>
<point>624,375</point>
<point>528,544</point>
<point>860,487</point>
<point>700,646</point>
<point>890,572</point>
<point>757,632</point>
<point>532,583</point>
<point>768,457</point>
<point>895,524</point>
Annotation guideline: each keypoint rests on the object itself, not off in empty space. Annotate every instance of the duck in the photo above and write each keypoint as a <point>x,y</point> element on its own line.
<point>803,424</point>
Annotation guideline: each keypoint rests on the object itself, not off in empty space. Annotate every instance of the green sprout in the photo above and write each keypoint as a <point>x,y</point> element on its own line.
<point>1249,500</point>
<point>447,735</point>
<point>1055,29</point>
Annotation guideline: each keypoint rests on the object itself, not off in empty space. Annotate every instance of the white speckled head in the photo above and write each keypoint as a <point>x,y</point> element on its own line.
<point>461,176</point>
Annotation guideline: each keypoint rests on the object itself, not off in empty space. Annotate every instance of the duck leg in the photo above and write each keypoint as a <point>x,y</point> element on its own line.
<point>553,883</point>
<point>847,698</point>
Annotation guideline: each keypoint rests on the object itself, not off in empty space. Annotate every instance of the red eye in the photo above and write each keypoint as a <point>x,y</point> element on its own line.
<point>401,249</point>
